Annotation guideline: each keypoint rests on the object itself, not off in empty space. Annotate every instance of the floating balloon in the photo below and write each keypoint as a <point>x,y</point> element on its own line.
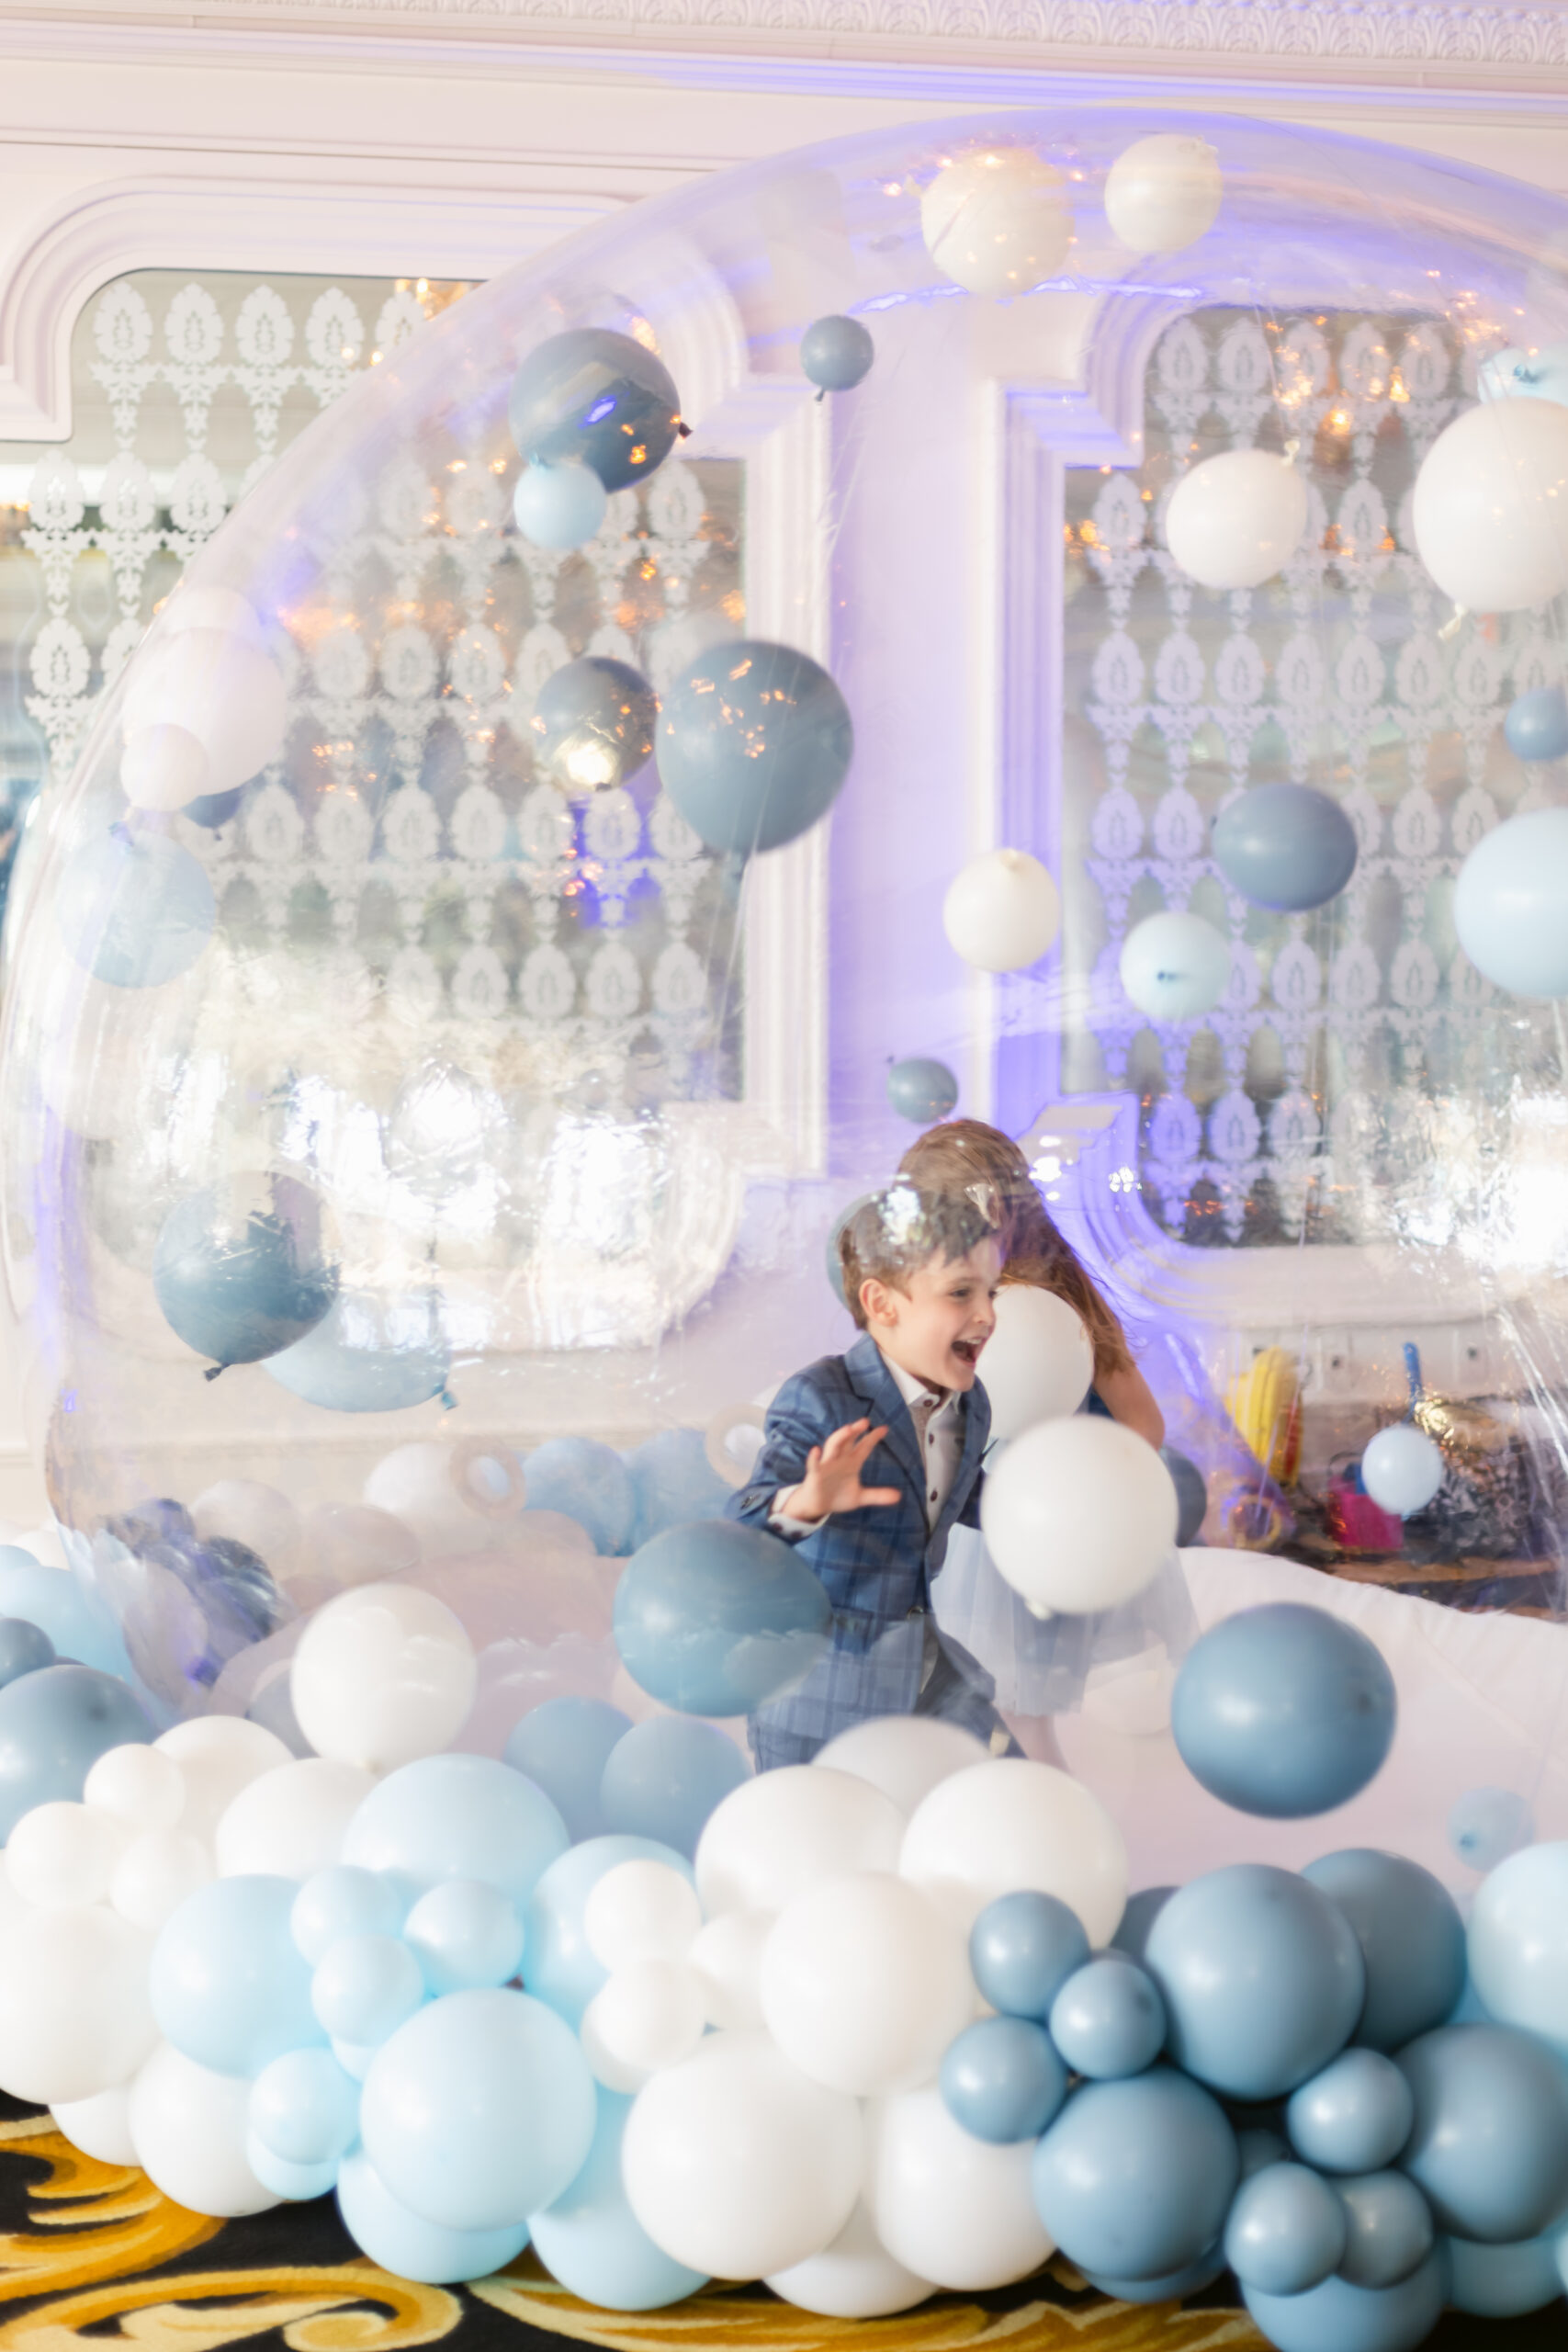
<point>227,1983</point>
<point>592,2242</point>
<point>1537,724</point>
<point>754,743</point>
<point>715,1618</point>
<point>1511,902</point>
<point>836,353</point>
<point>996,222</point>
<point>564,1745</point>
<point>1412,1940</point>
<point>1487,507</point>
<point>594,724</point>
<point>1039,1361</point>
<point>599,397</point>
<point>383,1674</point>
<point>1163,193</point>
<point>368,1354</point>
<point>1001,912</point>
<point>1009,1826</point>
<point>164,767</point>
<point>1388,2228</point>
<point>54,1726</point>
<point>1283,1711</point>
<point>1175,966</point>
<point>1079,1514</point>
<point>1286,2230</point>
<point>921,1090</point>
<point>961,2207</point>
<point>864,1985</point>
<point>1354,2117</point>
<point>221,688</point>
<point>1518,1943</point>
<point>1135,2178</point>
<point>1540,375</point>
<point>1234,521</point>
<point>245,1267</point>
<point>134,909</point>
<point>1401,1469</point>
<point>1003,2080</point>
<point>1108,2019</point>
<point>559,506</point>
<point>1022,1949</point>
<point>665,1778</point>
<point>1285,847</point>
<point>1192,1493</point>
<point>1489,2145</point>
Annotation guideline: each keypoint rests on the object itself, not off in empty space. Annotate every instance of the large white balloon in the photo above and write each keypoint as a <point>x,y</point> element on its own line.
<point>1519,1942</point>
<point>737,2163</point>
<point>140,1786</point>
<point>1163,192</point>
<point>188,2125</point>
<point>778,1833</point>
<point>1080,1515</point>
<point>1175,966</point>
<point>856,2277</point>
<point>1012,1824</point>
<point>1001,911</point>
<point>865,1983</point>
<point>100,2127</point>
<point>156,1872</point>
<point>1235,520</point>
<point>164,767</point>
<point>383,1674</point>
<point>1491,505</point>
<point>996,222</point>
<point>641,1910</point>
<point>74,2014</point>
<point>1039,1361</point>
<point>290,1823</point>
<point>62,1855</point>
<point>451,1496</point>
<point>904,1756</point>
<point>961,2208</point>
<point>221,689</point>
<point>219,1756</point>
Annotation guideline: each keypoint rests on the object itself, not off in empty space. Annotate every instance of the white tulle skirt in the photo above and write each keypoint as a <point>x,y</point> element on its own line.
<point>1042,1665</point>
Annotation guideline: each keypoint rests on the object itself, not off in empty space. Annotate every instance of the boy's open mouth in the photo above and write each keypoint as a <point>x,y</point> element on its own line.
<point>966,1350</point>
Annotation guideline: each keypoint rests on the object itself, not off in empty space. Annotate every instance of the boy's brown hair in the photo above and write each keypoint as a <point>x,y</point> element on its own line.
<point>894,1233</point>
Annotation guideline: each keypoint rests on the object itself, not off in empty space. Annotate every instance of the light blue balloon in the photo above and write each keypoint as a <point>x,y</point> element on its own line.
<point>1511,904</point>
<point>588,1481</point>
<point>1143,1909</point>
<point>227,1985</point>
<point>1504,2281</point>
<point>480,2109</point>
<point>1283,1711</point>
<point>921,1090</point>
<point>1262,1979</point>
<point>1354,2117</point>
<point>368,1354</point>
<point>458,1816</point>
<point>673,1481</point>
<point>1401,1469</point>
<point>665,1779</point>
<point>1537,724</point>
<point>592,2241</point>
<point>1388,2228</point>
<point>78,1621</point>
<point>1191,2281</point>
<point>1340,2317</point>
<point>1286,2231</point>
<point>304,2109</point>
<point>134,908</point>
<point>1285,846</point>
<point>298,2183</point>
<point>408,2246</point>
<point>559,506</point>
<point>715,1619</point>
<point>25,1648</point>
<point>1135,2178</point>
<point>1002,2080</point>
<point>1539,375</point>
<point>464,1935</point>
<point>563,1744</point>
<point>1489,2145</point>
<point>754,743</point>
<point>243,1267</point>
<point>1108,2019</point>
<point>836,353</point>
<point>364,1987</point>
<point>355,2058</point>
<point>54,1726</point>
<point>556,1963</point>
<point>1487,1826</point>
<point>342,1901</point>
<point>1412,1940</point>
<point>1022,1949</point>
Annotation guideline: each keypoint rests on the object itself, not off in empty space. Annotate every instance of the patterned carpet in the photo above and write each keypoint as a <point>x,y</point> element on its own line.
<point>91,2255</point>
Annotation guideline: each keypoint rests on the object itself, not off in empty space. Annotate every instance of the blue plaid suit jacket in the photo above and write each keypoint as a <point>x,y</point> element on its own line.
<point>877,1564</point>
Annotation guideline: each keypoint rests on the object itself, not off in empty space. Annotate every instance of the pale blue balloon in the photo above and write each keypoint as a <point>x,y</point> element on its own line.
<point>1143,1909</point>
<point>298,2183</point>
<point>1108,2019</point>
<point>1285,846</point>
<point>364,1987</point>
<point>836,353</point>
<point>458,1816</point>
<point>1003,2080</point>
<point>480,2109</point>
<point>588,1481</point>
<point>1511,904</point>
<point>25,1648</point>
<point>1135,2178</point>
<point>556,1963</point>
<point>1340,2317</point>
<point>558,506</point>
<point>54,1726</point>
<point>665,1779</point>
<point>754,743</point>
<point>355,2058</point>
<point>1401,1469</point>
<point>1504,2281</point>
<point>1412,1940</point>
<point>305,2109</point>
<point>227,1984</point>
<point>1286,2230</point>
<point>1537,724</point>
<point>1171,2288</point>
<point>673,1481</point>
<point>715,1619</point>
<point>921,1090</point>
<point>1262,1979</point>
<point>77,1619</point>
<point>1489,2145</point>
<point>1022,1949</point>
<point>342,1900</point>
<point>464,1935</point>
<point>592,2242</point>
<point>1485,1825</point>
<point>368,1354</point>
<point>1388,2228</point>
<point>245,1267</point>
<point>1283,1711</point>
<point>1539,375</point>
<point>134,908</point>
<point>1354,2117</point>
<point>563,1744</point>
<point>1175,966</point>
<point>404,2244</point>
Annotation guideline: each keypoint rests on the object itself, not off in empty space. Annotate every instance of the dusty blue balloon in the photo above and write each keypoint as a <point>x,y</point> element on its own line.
<point>1022,1949</point>
<point>1002,2080</point>
<point>54,1726</point>
<point>556,1963</point>
<point>832,1259</point>
<point>673,1480</point>
<point>1340,2317</point>
<point>23,1648</point>
<point>1189,2280</point>
<point>1262,1979</point>
<point>77,1619</point>
<point>594,395</point>
<point>368,1354</point>
<point>1286,2231</point>
<point>1192,1494</point>
<point>1354,2117</point>
<point>586,1481</point>
<point>563,1744</point>
<point>1135,2178</point>
<point>1285,846</point>
<point>1504,2281</point>
<point>227,1983</point>
<point>1283,1711</point>
<point>592,724</point>
<point>364,1987</point>
<point>921,1090</point>
<point>465,1935</point>
<point>1489,2145</point>
<point>245,1267</point>
<point>342,1900</point>
<point>1412,1940</point>
<point>408,2246</point>
<point>713,1618</point>
<point>754,742</point>
<point>135,910</point>
<point>1388,2228</point>
<point>304,2108</point>
<point>836,353</point>
<point>1108,2019</point>
<point>1485,1825</point>
<point>1537,724</point>
<point>458,1816</point>
<point>1511,904</point>
<point>298,2183</point>
<point>1143,1909</point>
<point>665,1778</point>
<point>592,2242</point>
<point>213,809</point>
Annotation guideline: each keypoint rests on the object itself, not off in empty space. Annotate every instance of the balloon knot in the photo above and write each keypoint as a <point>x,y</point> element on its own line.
<point>447,1402</point>
<point>213,1370</point>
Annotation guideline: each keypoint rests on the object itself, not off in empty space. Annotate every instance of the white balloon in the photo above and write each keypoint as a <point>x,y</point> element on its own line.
<point>155,1873</point>
<point>1491,505</point>
<point>100,2127</point>
<point>726,1960</point>
<point>1012,1824</point>
<point>248,1512</point>
<point>1039,1361</point>
<point>1519,1942</point>
<point>856,2277</point>
<point>383,1674</point>
<point>1401,1469</point>
<point>1235,520</point>
<point>218,1755</point>
<point>227,692</point>
<point>865,1983</point>
<point>904,1756</point>
<point>292,1822</point>
<point>450,1496</point>
<point>1080,1515</point>
<point>737,2165</point>
<point>164,767</point>
<point>996,222</point>
<point>1001,911</point>
<point>61,1855</point>
<point>778,1833</point>
<point>1163,192</point>
<point>960,2207</point>
<point>347,1543</point>
<point>1175,966</point>
<point>188,2128</point>
<point>191,605</point>
<point>641,1910</point>
<point>139,1785</point>
<point>649,2015</point>
<point>74,2016</point>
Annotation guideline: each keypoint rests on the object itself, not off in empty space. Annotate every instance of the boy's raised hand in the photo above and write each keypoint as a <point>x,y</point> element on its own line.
<point>832,1475</point>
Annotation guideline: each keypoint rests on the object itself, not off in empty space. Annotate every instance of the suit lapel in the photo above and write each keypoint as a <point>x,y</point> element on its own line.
<point>872,1381</point>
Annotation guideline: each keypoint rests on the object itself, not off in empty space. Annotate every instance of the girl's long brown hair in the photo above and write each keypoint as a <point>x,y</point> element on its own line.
<point>966,1156</point>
